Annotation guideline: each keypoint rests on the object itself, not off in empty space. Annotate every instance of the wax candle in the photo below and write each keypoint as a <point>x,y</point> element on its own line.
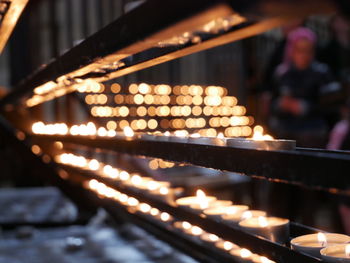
<point>226,245</point>
<point>197,139</point>
<point>129,133</point>
<point>199,198</point>
<point>219,211</point>
<point>179,136</point>
<point>336,253</point>
<point>235,218</point>
<point>205,204</point>
<point>312,244</point>
<point>210,238</point>
<point>272,228</point>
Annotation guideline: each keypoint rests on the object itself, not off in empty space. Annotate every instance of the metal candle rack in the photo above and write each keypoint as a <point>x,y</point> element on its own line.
<point>277,252</point>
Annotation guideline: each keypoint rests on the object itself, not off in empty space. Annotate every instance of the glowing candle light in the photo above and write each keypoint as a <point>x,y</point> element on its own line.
<point>312,244</point>
<point>128,132</point>
<point>196,231</point>
<point>94,165</point>
<point>219,211</point>
<point>225,245</point>
<point>165,217</point>
<point>199,198</point>
<point>211,238</point>
<point>336,253</point>
<point>272,228</point>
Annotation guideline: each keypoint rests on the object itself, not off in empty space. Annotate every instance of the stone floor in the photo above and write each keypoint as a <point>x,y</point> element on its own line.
<point>96,242</point>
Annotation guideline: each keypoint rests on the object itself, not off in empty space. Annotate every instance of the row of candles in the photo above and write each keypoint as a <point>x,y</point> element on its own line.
<point>331,246</point>
<point>257,141</point>
<point>134,205</point>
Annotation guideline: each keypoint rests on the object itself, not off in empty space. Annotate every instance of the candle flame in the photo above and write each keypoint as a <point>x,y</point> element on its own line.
<point>186,225</point>
<point>94,165</point>
<point>202,199</point>
<point>265,260</point>
<point>228,245</point>
<point>195,135</point>
<point>221,135</point>
<point>164,190</point>
<point>231,210</point>
<point>154,211</point>
<point>322,239</point>
<point>347,250</point>
<point>245,253</point>
<point>128,132</point>
<point>200,194</point>
<point>196,231</point>
<point>259,134</point>
<point>213,237</point>
<point>164,217</point>
<point>167,133</point>
<point>181,133</point>
<point>247,214</point>
<point>262,221</point>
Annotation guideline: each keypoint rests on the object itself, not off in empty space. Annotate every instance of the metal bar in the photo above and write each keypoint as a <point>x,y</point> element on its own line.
<point>125,37</point>
<point>277,252</point>
<point>10,19</point>
<point>311,169</point>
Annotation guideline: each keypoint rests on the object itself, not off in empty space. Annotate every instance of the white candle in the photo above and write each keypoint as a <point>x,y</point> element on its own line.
<point>226,245</point>
<point>272,228</point>
<point>197,139</point>
<point>129,133</point>
<point>219,211</point>
<point>312,244</point>
<point>199,207</point>
<point>179,136</point>
<point>336,253</point>
<point>199,198</point>
<point>211,238</point>
<point>235,218</point>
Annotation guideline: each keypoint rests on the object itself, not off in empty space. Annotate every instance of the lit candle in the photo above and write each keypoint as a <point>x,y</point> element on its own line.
<point>210,238</point>
<point>197,139</point>
<point>336,253</point>
<point>226,245</point>
<point>219,211</point>
<point>272,228</point>
<point>235,218</point>
<point>200,198</point>
<point>242,254</point>
<point>129,133</point>
<point>259,141</point>
<point>312,244</point>
<point>204,204</point>
<point>179,136</point>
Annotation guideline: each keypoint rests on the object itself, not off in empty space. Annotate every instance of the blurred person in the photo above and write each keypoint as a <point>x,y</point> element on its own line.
<point>300,83</point>
<point>276,58</point>
<point>297,113</point>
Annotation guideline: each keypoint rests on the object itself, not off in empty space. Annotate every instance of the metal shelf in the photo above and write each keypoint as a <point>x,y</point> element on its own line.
<point>324,170</point>
<point>10,11</point>
<point>277,252</point>
<point>130,44</point>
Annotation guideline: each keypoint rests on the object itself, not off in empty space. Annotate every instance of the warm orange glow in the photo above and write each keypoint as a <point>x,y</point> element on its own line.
<point>347,250</point>
<point>128,132</point>
<point>322,238</point>
<point>245,253</point>
<point>262,221</point>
